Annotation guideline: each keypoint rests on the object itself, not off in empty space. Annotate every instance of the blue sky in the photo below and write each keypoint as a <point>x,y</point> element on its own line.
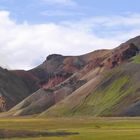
<point>37,11</point>
<point>32,29</point>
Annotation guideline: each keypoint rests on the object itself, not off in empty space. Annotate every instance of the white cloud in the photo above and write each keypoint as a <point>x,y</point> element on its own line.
<point>24,46</point>
<point>115,21</point>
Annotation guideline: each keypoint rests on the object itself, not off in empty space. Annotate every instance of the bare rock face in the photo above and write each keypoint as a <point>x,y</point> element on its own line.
<point>121,54</point>
<point>130,51</point>
<point>54,80</point>
<point>53,56</point>
<point>56,69</point>
<point>93,64</point>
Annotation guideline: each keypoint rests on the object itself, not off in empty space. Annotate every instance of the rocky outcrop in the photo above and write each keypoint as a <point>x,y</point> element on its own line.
<point>54,79</point>
<point>54,56</point>
<point>121,54</point>
<point>129,51</point>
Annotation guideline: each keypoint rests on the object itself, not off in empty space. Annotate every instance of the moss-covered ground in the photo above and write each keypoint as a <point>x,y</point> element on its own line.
<point>136,59</point>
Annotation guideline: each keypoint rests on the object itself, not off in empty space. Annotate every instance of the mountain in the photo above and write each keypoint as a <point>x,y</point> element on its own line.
<point>100,83</point>
<point>113,92</point>
<point>61,80</point>
<point>13,88</point>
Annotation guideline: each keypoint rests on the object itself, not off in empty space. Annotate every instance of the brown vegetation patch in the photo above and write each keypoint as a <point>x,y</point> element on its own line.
<point>23,134</point>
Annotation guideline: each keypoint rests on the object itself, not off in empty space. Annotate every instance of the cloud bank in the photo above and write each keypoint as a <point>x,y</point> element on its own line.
<point>24,46</point>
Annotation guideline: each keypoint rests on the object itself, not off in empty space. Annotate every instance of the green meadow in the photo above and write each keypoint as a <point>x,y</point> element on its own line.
<point>88,128</point>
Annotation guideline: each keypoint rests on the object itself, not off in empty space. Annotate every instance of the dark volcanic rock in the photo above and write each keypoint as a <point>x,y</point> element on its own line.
<point>121,54</point>
<point>130,51</point>
<point>54,56</point>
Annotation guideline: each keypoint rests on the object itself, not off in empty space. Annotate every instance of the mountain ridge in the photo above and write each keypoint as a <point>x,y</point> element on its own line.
<point>72,85</point>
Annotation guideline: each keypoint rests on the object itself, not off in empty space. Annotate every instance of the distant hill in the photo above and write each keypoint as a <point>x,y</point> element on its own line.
<point>13,88</point>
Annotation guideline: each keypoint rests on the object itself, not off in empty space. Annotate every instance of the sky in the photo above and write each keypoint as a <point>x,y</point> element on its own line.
<point>30,30</point>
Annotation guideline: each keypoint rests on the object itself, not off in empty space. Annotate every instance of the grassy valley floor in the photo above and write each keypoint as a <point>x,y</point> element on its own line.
<point>88,128</point>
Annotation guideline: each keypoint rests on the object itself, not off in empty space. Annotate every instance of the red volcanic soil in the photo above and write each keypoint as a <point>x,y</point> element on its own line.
<point>53,82</point>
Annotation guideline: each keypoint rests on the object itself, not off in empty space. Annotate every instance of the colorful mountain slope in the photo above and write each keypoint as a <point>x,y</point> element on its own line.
<point>100,83</point>
<point>114,92</point>
<point>48,96</point>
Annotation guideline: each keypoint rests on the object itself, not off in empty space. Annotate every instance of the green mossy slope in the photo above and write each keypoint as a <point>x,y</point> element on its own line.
<point>114,95</point>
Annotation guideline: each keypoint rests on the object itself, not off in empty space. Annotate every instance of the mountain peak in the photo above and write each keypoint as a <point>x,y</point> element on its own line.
<point>53,56</point>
